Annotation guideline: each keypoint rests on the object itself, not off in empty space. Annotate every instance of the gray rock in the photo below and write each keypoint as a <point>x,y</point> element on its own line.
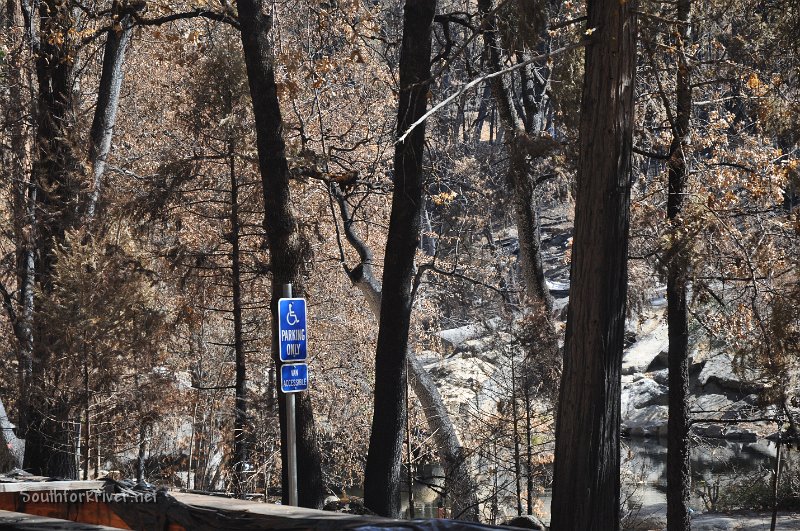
<point>761,448</point>
<point>642,393</point>
<point>710,405</point>
<point>661,376</point>
<point>720,370</point>
<point>709,431</point>
<point>526,522</point>
<point>650,421</point>
<point>456,336</point>
<point>558,288</point>
<point>739,433</point>
<point>717,406</point>
<point>330,499</point>
<point>659,362</point>
<point>640,354</point>
<point>709,457</point>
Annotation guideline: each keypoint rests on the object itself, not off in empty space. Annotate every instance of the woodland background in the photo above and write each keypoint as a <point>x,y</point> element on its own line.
<point>149,216</point>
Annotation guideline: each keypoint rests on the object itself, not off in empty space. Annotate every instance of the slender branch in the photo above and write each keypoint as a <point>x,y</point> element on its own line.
<point>729,421</point>
<point>566,23</point>
<point>487,77</point>
<point>198,12</point>
<point>453,17</point>
<point>733,165</point>
<point>454,274</point>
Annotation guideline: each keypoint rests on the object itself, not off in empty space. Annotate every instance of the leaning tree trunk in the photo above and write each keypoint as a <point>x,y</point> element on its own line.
<point>461,489</point>
<point>587,456</point>
<point>678,466</point>
<point>108,92</point>
<point>288,250</point>
<point>382,474</point>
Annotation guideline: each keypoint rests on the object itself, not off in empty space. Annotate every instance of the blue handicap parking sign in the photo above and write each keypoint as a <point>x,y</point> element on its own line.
<point>292,329</point>
<point>294,377</point>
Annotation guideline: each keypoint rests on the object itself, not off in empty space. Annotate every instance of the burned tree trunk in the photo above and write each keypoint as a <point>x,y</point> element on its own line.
<point>288,250</point>
<point>382,475</point>
<point>57,200</point>
<point>240,419</point>
<point>678,466</point>
<point>460,486</point>
<point>108,92</point>
<point>23,198</point>
<point>587,455</point>
<point>50,442</point>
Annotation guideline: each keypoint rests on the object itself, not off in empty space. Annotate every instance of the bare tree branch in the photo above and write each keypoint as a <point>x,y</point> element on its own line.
<point>487,77</point>
<point>197,12</point>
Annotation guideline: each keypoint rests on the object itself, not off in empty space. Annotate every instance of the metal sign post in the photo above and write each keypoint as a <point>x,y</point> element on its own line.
<point>294,376</point>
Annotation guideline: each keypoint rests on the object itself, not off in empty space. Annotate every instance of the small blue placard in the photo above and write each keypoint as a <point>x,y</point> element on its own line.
<point>294,377</point>
<point>292,329</point>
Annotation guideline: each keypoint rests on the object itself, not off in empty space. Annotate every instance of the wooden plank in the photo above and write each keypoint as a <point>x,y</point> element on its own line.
<point>37,486</point>
<point>219,503</point>
<point>8,501</point>
<point>100,513</point>
<point>29,522</point>
<point>86,507</point>
<point>196,512</point>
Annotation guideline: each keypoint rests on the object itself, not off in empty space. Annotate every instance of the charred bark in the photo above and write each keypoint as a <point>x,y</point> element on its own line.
<point>49,433</point>
<point>240,420</point>
<point>382,474</point>
<point>288,249</point>
<point>678,465</point>
<point>461,488</point>
<point>23,198</point>
<point>587,454</point>
<point>108,92</point>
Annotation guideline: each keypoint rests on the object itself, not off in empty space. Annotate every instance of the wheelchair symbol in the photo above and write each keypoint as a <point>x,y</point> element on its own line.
<point>291,317</point>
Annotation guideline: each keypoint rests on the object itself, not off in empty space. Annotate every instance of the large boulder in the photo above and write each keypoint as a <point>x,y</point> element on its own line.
<point>710,405</point>
<point>454,337</point>
<point>646,348</point>
<point>526,522</point>
<point>558,288</point>
<point>642,393</point>
<point>720,370</point>
<point>716,407</point>
<point>461,376</point>
<point>650,421</point>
